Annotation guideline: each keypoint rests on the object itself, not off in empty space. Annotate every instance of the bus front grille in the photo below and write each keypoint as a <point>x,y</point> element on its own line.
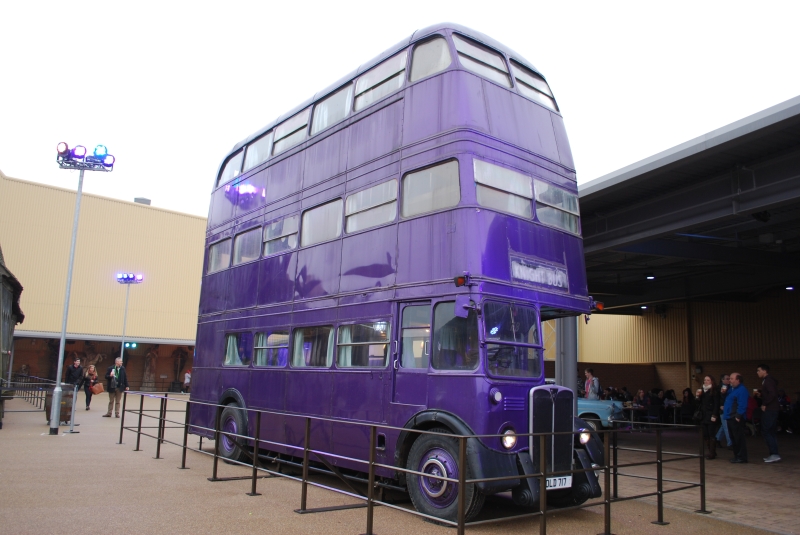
<point>551,409</point>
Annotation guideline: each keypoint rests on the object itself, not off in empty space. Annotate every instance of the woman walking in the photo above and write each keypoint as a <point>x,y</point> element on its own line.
<point>709,407</point>
<point>89,380</point>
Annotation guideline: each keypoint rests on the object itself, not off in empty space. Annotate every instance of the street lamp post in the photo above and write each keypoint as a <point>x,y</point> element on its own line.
<point>127,279</point>
<point>75,158</point>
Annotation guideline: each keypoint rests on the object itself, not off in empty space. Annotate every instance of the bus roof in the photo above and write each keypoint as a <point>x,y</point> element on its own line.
<point>416,36</point>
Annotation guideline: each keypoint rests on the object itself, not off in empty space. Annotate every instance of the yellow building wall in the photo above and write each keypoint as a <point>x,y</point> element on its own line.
<point>113,236</point>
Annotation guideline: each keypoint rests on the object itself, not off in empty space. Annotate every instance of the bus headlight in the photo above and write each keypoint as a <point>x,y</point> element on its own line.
<point>585,436</point>
<point>509,439</point>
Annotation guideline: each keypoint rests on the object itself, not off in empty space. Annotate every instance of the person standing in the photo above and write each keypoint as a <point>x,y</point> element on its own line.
<point>117,384</point>
<point>709,407</point>
<point>734,413</point>
<point>724,389</point>
<point>187,380</point>
<point>770,409</point>
<point>74,372</point>
<point>592,386</point>
<point>88,380</point>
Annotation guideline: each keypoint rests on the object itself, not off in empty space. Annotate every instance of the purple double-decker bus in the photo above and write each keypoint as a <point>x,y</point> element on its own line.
<point>386,253</point>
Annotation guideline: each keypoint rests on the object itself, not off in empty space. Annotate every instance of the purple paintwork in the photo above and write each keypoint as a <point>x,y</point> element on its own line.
<point>368,275</point>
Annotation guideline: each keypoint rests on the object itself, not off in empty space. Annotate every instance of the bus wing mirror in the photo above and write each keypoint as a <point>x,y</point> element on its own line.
<point>463,306</point>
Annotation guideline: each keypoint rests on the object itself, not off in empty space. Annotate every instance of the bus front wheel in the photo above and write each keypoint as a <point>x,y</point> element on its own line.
<point>437,455</point>
<point>231,422</point>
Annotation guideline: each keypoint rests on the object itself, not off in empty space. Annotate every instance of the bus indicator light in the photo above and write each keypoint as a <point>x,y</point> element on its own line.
<point>461,280</point>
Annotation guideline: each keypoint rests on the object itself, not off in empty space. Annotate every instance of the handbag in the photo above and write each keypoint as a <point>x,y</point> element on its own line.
<point>97,388</point>
<point>112,384</point>
<point>697,417</point>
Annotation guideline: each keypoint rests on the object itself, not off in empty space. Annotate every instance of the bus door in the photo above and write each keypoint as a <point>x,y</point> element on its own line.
<point>412,355</point>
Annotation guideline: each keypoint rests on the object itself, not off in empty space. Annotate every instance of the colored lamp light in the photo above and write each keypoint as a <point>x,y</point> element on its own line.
<point>100,152</point>
<point>63,149</point>
<point>108,160</point>
<point>79,152</point>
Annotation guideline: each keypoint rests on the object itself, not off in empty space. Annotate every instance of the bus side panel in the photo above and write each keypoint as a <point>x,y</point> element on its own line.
<point>369,259</point>
<point>276,278</point>
<point>243,286</point>
<point>268,392</point>
<point>318,270</point>
<point>284,178</point>
<point>429,248</point>
<point>451,100</point>
<point>520,121</point>
<point>564,150</point>
<point>357,395</point>
<point>376,135</point>
<point>326,159</point>
<point>213,293</point>
<point>310,393</point>
<point>251,193</point>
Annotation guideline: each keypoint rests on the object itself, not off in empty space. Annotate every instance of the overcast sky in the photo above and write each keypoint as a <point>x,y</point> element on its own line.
<point>171,86</point>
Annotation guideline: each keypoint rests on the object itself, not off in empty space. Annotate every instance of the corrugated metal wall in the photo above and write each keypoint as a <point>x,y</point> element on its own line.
<point>721,331</point>
<point>165,246</point>
<point>649,338</point>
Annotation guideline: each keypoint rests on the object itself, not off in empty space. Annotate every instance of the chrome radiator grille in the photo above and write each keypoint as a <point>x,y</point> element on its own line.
<point>551,410</point>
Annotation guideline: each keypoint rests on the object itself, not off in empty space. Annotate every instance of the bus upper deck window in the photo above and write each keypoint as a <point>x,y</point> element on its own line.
<point>291,132</point>
<point>503,189</point>
<point>322,223</point>
<point>380,81</point>
<point>429,58</point>
<point>219,256</point>
<point>481,60</point>
<point>371,207</point>
<point>533,86</point>
<point>257,151</point>
<point>280,235</point>
<point>331,110</point>
<point>556,207</point>
<point>232,168</point>
<point>247,246</point>
<point>431,189</point>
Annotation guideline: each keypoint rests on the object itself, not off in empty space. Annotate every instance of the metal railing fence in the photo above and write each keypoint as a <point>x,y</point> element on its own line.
<point>610,469</point>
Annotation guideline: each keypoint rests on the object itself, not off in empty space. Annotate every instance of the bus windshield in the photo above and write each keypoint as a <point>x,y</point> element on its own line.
<point>512,340</point>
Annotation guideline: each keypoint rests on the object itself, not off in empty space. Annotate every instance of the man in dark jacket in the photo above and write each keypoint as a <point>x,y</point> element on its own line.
<point>770,407</point>
<point>74,372</point>
<point>117,384</point>
<point>734,412</point>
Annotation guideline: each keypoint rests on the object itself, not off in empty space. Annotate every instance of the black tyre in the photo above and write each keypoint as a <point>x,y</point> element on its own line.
<point>438,455</point>
<point>232,420</point>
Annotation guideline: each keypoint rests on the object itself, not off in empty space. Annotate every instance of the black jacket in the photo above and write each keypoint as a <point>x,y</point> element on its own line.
<point>73,374</point>
<point>709,405</point>
<point>122,379</point>
<point>769,394</point>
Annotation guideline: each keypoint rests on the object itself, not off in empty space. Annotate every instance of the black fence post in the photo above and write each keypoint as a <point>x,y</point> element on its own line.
<point>543,484</point>
<point>122,419</point>
<point>139,427</point>
<point>161,414</point>
<point>164,417</point>
<point>304,486</point>
<point>255,456</point>
<point>615,445</point>
<point>371,479</point>
<point>702,509</point>
<point>185,434</point>
<point>462,485</point>
<point>659,479</point>
<point>216,444</point>
<point>607,482</point>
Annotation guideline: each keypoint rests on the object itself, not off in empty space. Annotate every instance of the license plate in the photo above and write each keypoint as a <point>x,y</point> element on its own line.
<point>561,482</point>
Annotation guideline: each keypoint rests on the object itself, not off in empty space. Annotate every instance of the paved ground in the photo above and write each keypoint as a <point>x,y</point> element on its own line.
<point>86,482</point>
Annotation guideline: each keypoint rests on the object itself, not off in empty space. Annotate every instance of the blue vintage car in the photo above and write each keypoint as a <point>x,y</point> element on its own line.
<point>597,413</point>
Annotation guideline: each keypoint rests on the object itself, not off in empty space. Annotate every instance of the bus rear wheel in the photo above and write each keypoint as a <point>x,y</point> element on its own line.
<point>437,455</point>
<point>232,421</point>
